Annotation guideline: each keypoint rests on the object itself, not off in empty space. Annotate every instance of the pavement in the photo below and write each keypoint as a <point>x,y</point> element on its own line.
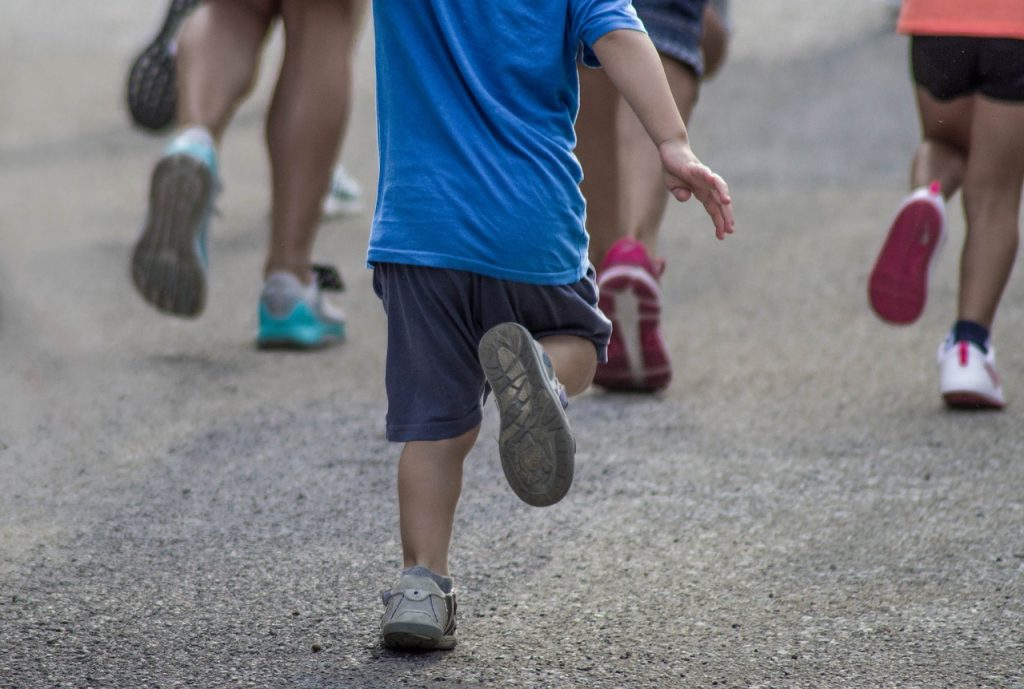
<point>178,509</point>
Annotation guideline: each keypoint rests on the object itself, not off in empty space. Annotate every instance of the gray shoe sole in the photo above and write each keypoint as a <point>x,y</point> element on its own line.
<point>536,444</point>
<point>411,636</point>
<point>166,267</point>
<point>152,85</point>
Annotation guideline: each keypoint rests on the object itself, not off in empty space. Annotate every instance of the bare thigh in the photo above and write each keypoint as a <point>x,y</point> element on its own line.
<point>996,156</point>
<point>947,122</point>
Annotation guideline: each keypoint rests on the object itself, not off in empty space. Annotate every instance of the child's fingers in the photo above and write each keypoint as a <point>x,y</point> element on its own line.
<point>682,194</point>
<point>718,204</point>
<point>721,224</point>
<point>721,215</point>
<point>726,228</point>
<point>711,190</point>
<point>721,188</point>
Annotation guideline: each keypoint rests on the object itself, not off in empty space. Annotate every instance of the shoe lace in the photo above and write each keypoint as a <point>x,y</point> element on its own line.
<point>549,368</point>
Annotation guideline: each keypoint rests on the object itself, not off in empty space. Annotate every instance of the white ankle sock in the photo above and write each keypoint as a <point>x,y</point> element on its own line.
<point>200,136</point>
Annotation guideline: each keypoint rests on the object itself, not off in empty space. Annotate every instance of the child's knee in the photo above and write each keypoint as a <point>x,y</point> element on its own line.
<point>574,360</point>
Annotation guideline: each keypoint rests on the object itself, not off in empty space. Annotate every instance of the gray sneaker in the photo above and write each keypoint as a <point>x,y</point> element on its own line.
<point>536,444</point>
<point>418,614</point>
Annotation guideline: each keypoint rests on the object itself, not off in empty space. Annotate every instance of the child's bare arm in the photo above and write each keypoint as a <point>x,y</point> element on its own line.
<point>632,63</point>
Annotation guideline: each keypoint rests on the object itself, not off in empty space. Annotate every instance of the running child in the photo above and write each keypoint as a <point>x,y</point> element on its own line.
<point>479,252</point>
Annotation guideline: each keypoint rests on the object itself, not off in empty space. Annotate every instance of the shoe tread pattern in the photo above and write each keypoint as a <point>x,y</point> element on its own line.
<point>152,79</point>
<point>167,269</point>
<point>536,444</point>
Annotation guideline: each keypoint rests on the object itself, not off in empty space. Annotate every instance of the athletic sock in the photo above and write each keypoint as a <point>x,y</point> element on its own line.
<point>971,332</point>
<point>446,584</point>
<point>200,136</point>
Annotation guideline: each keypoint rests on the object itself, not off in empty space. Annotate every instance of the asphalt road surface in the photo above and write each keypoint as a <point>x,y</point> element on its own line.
<point>178,509</point>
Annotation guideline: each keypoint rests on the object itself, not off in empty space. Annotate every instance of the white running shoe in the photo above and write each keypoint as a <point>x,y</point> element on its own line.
<point>968,378</point>
<point>345,196</point>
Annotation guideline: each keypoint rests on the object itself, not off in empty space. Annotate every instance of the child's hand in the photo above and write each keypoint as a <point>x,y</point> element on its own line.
<point>685,176</point>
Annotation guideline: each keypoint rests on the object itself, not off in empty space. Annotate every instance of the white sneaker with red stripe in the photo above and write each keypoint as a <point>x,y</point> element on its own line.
<point>968,378</point>
<point>631,298</point>
<point>898,286</point>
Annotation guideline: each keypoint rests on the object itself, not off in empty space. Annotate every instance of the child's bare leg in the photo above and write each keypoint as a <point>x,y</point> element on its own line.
<point>218,57</point>
<point>574,360</point>
<point>643,184</point>
<point>429,484</point>
<point>991,196</point>
<point>945,140</point>
<point>306,120</point>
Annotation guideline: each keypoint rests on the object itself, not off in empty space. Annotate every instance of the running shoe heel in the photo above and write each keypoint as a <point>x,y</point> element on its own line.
<point>968,378</point>
<point>418,615</point>
<point>294,316</point>
<point>630,296</point>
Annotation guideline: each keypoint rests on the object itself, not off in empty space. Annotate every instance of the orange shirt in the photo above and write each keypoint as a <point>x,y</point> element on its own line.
<point>994,18</point>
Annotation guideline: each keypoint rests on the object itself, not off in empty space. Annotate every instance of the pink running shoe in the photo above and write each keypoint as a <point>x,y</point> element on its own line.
<point>631,298</point>
<point>898,286</point>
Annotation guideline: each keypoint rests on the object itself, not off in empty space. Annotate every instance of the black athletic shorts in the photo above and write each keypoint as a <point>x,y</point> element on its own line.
<point>436,317</point>
<point>952,66</point>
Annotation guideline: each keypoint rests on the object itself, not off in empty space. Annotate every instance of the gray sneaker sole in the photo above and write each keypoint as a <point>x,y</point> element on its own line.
<point>536,444</point>
<point>411,636</point>
<point>151,92</point>
<point>166,268</point>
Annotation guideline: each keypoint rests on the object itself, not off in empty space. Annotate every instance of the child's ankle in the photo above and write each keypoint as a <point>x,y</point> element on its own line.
<point>971,332</point>
<point>444,583</point>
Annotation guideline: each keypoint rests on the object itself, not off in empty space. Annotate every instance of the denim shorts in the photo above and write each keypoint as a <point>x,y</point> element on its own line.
<point>675,28</point>
<point>952,66</point>
<point>436,317</point>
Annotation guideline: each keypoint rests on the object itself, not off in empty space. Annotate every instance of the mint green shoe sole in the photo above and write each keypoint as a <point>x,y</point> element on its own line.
<point>301,329</point>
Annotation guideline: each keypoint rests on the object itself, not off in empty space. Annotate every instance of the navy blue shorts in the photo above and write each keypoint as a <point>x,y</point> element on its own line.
<point>675,28</point>
<point>436,317</point>
<point>952,66</point>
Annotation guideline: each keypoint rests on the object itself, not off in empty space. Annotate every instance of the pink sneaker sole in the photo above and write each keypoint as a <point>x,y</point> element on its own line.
<point>970,400</point>
<point>898,286</point>
<point>637,357</point>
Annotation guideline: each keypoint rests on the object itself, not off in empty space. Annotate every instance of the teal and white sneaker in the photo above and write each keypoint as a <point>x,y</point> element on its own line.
<point>170,259</point>
<point>345,197</point>
<point>293,315</point>
<point>418,614</point>
<point>536,444</point>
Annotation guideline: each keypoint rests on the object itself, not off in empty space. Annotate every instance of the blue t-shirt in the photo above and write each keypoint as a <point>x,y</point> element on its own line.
<point>476,101</point>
